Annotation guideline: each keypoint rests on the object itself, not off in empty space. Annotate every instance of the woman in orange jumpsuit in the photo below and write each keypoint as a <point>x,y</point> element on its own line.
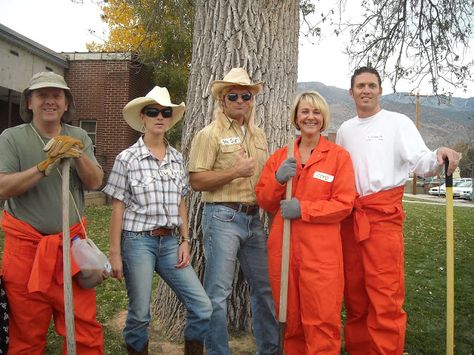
<point>323,195</point>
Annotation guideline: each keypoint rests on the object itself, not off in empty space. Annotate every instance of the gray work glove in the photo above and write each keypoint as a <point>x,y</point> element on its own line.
<point>290,209</point>
<point>286,170</point>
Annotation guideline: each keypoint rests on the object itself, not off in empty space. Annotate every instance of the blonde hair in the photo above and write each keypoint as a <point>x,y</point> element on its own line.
<point>318,102</point>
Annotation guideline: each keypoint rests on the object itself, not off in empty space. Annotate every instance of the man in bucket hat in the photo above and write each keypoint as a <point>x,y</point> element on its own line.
<point>225,162</point>
<point>149,225</point>
<point>31,184</point>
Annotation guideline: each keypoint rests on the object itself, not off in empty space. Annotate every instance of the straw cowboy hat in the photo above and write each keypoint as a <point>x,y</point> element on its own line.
<point>236,77</point>
<point>46,80</point>
<point>159,95</point>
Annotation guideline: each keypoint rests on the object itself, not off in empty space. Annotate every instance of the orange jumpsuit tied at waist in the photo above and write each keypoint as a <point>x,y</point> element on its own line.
<point>326,192</point>
<point>32,270</point>
<point>372,239</point>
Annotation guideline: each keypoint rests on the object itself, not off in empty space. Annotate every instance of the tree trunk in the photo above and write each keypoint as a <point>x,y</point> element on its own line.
<point>262,37</point>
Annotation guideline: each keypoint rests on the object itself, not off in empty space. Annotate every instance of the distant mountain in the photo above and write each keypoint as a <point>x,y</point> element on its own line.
<point>441,124</point>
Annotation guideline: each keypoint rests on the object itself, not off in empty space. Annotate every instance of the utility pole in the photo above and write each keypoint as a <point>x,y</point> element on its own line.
<point>417,123</point>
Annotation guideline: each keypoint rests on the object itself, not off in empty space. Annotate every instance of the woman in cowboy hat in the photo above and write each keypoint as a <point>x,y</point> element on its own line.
<point>149,225</point>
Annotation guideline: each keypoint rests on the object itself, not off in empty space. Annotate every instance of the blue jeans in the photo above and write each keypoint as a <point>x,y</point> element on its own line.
<point>141,256</point>
<point>230,235</point>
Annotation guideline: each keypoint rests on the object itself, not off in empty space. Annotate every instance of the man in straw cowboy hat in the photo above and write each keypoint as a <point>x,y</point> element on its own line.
<point>30,182</point>
<point>149,225</point>
<point>225,162</point>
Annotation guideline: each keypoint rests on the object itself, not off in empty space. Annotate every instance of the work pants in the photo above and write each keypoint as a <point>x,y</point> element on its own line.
<point>374,283</point>
<point>30,313</point>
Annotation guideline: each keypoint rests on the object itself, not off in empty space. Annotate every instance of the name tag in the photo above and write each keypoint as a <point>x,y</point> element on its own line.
<point>230,141</point>
<point>375,137</point>
<point>174,173</point>
<point>323,176</point>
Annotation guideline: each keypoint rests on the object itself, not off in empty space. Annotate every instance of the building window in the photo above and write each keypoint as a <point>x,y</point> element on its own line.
<point>90,126</point>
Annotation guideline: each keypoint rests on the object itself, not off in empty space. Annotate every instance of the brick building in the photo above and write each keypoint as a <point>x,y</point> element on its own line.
<point>101,83</point>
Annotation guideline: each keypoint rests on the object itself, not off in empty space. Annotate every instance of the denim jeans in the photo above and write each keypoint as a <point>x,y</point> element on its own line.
<point>142,255</point>
<point>230,235</point>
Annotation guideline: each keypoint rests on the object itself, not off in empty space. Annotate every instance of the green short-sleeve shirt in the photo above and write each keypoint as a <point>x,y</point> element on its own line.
<point>41,207</point>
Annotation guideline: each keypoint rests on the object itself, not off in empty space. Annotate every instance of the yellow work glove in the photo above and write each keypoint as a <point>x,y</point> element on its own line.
<point>57,148</point>
<point>48,165</point>
<point>59,145</point>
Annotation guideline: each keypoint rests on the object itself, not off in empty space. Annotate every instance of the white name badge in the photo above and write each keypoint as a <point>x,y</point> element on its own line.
<point>170,172</point>
<point>230,141</point>
<point>323,176</point>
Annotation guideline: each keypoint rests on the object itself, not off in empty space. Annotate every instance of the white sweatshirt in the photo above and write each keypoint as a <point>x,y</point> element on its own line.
<point>384,149</point>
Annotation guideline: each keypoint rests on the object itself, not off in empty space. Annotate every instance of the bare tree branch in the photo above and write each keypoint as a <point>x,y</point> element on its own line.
<point>417,40</point>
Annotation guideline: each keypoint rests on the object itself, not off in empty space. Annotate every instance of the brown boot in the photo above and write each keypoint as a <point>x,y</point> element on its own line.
<point>132,351</point>
<point>193,347</point>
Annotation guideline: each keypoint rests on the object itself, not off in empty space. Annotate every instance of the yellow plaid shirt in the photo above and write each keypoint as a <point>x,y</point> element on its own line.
<point>217,146</point>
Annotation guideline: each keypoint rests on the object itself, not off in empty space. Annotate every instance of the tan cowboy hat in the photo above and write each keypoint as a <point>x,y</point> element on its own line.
<point>159,95</point>
<point>236,77</point>
<point>46,80</point>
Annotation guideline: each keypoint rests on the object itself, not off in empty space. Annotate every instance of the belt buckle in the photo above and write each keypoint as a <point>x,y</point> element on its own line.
<point>150,233</point>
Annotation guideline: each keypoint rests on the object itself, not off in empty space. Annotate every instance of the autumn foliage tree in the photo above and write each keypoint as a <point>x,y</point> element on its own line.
<point>160,32</point>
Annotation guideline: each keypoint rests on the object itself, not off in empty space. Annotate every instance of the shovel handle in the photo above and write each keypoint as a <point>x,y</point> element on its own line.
<point>285,257</point>
<point>68,300</point>
<point>449,263</point>
<point>285,252</point>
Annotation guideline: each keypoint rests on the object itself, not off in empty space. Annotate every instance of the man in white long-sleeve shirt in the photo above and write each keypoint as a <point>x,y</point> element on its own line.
<point>385,147</point>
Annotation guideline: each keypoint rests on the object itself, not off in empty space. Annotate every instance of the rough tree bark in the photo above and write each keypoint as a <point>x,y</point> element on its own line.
<point>262,37</point>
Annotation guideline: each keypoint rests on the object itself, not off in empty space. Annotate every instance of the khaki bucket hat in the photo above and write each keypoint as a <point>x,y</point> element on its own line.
<point>159,95</point>
<point>235,77</point>
<point>46,80</point>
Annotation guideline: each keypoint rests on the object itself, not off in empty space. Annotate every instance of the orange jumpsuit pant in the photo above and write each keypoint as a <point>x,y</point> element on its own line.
<point>32,272</point>
<point>315,289</point>
<point>374,275</point>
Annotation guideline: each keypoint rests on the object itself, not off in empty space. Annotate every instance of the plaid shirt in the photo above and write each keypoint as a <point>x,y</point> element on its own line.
<point>151,189</point>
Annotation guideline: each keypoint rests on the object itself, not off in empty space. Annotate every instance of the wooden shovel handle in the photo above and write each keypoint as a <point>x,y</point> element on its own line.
<point>68,300</point>
<point>285,252</point>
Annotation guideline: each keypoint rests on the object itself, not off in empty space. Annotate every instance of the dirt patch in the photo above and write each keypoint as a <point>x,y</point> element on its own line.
<point>240,344</point>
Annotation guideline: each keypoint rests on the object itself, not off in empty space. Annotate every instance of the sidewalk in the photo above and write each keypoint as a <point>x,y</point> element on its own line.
<point>435,200</point>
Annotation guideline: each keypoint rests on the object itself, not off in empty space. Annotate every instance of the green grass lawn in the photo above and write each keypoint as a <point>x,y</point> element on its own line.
<point>425,269</point>
<point>425,260</point>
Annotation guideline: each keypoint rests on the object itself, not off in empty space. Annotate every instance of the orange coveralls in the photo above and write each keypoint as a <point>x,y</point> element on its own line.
<point>326,192</point>
<point>372,239</point>
<point>32,270</point>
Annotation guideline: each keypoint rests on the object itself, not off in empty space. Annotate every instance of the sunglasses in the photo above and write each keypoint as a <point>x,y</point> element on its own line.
<point>245,97</point>
<point>166,112</point>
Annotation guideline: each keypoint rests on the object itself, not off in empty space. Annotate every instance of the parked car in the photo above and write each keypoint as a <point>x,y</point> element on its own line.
<point>463,188</point>
<point>441,190</point>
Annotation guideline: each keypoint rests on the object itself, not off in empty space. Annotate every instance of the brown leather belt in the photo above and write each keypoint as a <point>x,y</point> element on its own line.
<point>162,231</point>
<point>247,209</point>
